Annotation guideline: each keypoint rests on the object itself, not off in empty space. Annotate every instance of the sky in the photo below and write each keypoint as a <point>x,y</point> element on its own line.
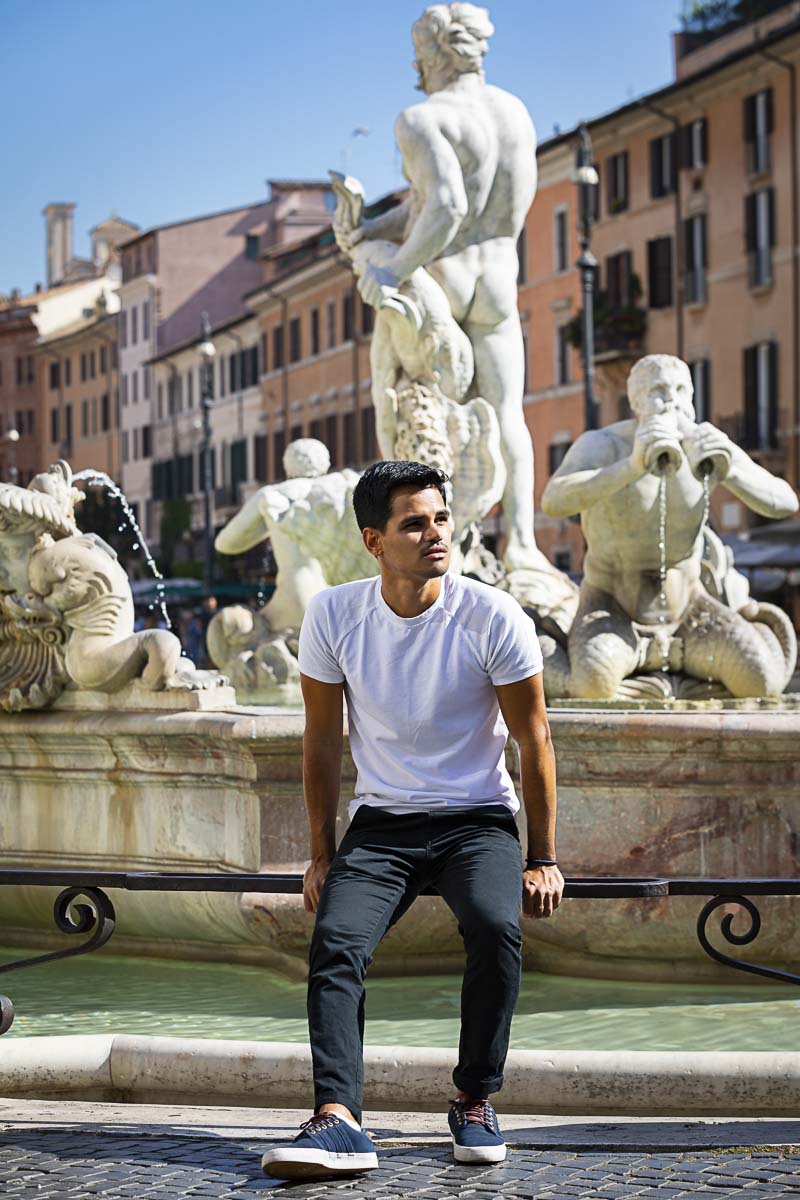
<point>166,109</point>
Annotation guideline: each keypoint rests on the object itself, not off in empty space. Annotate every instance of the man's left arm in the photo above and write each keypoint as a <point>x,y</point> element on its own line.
<point>523,707</point>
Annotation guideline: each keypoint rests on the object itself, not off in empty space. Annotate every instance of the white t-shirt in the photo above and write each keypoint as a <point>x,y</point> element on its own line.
<point>425,727</point>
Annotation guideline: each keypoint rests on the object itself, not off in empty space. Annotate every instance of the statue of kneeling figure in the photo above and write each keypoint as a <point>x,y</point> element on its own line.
<point>642,622</point>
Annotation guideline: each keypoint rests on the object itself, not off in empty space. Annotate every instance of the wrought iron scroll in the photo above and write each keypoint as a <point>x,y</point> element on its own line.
<point>737,939</point>
<point>74,919</point>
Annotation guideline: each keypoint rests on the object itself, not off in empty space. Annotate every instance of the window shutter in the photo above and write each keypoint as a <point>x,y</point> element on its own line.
<point>673,162</point>
<point>666,271</point>
<point>751,397</point>
<point>685,146</point>
<point>704,140</point>
<point>749,115</point>
<point>626,271</point>
<point>624,159</point>
<point>771,215</point>
<point>773,395</point>
<point>688,244</point>
<point>750,223</point>
<point>655,168</point>
<point>610,177</point>
<point>612,281</point>
<point>651,275</point>
<point>770,113</point>
<point>703,219</point>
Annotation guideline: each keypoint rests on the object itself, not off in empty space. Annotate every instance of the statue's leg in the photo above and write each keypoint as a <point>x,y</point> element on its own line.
<point>384,365</point>
<point>603,646</point>
<point>500,379</point>
<point>720,645</point>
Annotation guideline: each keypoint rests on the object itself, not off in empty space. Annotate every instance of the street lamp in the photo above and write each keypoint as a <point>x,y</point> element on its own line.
<point>586,177</point>
<point>207,353</point>
<point>11,438</point>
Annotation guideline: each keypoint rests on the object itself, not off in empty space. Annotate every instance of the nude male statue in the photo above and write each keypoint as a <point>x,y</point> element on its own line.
<point>469,154</point>
<point>626,622</point>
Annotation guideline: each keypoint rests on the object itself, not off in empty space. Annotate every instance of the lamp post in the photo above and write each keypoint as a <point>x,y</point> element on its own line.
<point>11,438</point>
<point>585,176</point>
<point>207,353</point>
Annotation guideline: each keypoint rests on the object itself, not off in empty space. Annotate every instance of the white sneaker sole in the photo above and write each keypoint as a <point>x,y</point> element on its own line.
<point>478,1154</point>
<point>287,1163</point>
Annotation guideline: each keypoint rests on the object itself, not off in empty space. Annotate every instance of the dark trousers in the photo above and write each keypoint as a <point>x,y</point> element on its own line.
<point>473,860</point>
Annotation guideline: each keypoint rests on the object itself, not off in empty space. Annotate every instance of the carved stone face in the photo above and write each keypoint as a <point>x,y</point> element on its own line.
<point>659,385</point>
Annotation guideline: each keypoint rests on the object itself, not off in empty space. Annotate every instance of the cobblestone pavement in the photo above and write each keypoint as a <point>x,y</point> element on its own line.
<point>79,1161</point>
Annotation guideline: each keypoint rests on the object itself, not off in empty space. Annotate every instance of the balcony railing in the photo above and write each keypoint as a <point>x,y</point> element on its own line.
<point>83,906</point>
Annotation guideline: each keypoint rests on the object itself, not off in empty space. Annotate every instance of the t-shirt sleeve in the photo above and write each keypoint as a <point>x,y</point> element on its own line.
<point>514,651</point>
<point>315,655</point>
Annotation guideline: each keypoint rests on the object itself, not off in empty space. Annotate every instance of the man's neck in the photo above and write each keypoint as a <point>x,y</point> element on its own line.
<point>409,597</point>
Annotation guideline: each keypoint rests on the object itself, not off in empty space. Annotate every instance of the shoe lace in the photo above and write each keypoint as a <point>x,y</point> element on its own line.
<point>317,1122</point>
<point>479,1112</point>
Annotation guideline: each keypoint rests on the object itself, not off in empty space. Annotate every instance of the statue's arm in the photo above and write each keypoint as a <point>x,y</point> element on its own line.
<point>592,471</point>
<point>432,167</point>
<point>390,226</point>
<point>756,487</point>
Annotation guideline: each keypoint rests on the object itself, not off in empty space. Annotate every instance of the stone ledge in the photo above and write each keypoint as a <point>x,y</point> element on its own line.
<point>563,1082</point>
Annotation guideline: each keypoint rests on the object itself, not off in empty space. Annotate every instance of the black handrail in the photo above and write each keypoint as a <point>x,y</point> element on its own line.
<point>97,917</point>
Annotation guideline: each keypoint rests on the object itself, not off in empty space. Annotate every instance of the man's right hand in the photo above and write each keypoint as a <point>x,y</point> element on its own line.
<point>313,880</point>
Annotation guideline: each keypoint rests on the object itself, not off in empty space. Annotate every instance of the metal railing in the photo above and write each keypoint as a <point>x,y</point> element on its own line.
<point>83,906</point>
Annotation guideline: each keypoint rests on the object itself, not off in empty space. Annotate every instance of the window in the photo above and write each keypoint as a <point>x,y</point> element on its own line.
<point>134,325</point>
<point>159,401</point>
<point>562,560</point>
<point>94,415</point>
<point>561,239</point>
<point>55,375</point>
<point>146,319</point>
<point>68,425</point>
<point>617,198</point>
<point>295,432</point>
<point>759,219</point>
<point>277,347</point>
<point>761,396</point>
<point>84,418</point>
<point>349,438</point>
<point>31,373</point>
<point>368,450</point>
<point>331,438</point>
<point>557,452</point>
<point>522,257</point>
<point>758,123</point>
<point>135,444</point>
<point>123,328</point>
<point>19,368</point>
<point>125,458</point>
<point>234,373</point>
<point>315,331</point>
<point>171,395</point>
<point>294,340</point>
<point>103,360</point>
<point>105,412</point>
<point>701,382</point>
<point>67,372</point>
<point>135,387</point>
<point>663,174</point>
<point>146,382</point>
<point>30,424</point>
<point>264,364</point>
<point>190,388</point>
<point>348,315</point>
<point>92,365</point>
<point>124,388</point>
<point>251,246</point>
<point>147,442</point>
<point>694,144</point>
<point>619,270</point>
<point>250,367</point>
<point>278,451</point>
<point>260,458</point>
<point>84,368</point>
<point>562,356</point>
<point>695,246</point>
<point>221,375</point>
<point>330,323</point>
<point>659,272</point>
<point>19,421</point>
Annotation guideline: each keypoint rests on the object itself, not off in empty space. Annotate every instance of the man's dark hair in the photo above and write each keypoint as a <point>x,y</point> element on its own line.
<point>372,498</point>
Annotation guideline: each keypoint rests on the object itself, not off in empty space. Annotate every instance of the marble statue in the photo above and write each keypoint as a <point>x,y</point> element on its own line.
<point>316,543</point>
<point>66,609</point>
<point>441,268</point>
<point>660,611</point>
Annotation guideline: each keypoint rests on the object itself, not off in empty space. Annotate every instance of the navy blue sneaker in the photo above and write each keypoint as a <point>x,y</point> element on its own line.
<point>326,1146</point>
<point>476,1132</point>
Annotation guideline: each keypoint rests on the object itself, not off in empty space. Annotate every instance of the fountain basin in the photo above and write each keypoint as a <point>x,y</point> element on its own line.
<point>678,793</point>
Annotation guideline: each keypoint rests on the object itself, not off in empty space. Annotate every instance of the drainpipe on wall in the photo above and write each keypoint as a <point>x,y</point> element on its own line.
<point>791,68</point>
<point>676,126</point>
